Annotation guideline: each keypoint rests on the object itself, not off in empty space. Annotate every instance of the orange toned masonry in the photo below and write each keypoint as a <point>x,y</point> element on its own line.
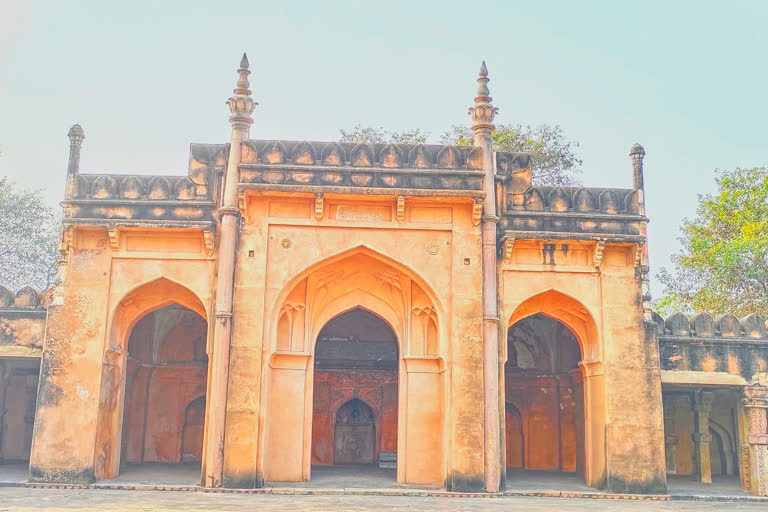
<point>422,309</point>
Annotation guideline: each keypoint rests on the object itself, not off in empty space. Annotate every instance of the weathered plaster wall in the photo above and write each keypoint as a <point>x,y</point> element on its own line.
<point>622,403</point>
<point>108,287</point>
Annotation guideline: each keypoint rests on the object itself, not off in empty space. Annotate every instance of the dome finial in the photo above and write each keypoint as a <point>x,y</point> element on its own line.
<point>76,135</point>
<point>241,105</point>
<point>483,112</point>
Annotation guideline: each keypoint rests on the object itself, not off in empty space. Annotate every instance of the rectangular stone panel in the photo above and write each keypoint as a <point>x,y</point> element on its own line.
<point>424,215</point>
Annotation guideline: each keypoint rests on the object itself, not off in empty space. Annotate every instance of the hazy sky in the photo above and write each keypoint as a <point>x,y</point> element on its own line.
<point>688,80</point>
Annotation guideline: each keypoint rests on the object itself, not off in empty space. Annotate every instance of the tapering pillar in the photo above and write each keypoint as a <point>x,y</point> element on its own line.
<point>702,406</point>
<point>76,136</point>
<point>241,106</point>
<point>483,113</point>
<point>754,462</point>
<point>637,154</point>
<point>671,405</point>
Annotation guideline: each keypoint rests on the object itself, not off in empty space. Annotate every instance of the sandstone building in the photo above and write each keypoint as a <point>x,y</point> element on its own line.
<point>289,305</point>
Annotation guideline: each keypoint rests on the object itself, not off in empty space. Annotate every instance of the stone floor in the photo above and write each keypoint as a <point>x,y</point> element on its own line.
<point>723,486</point>
<point>22,499</point>
<point>349,476</point>
<point>157,473</point>
<point>352,479</point>
<point>13,473</point>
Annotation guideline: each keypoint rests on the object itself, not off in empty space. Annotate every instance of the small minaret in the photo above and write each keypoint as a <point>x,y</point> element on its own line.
<point>76,136</point>
<point>241,107</point>
<point>483,113</point>
<point>637,154</point>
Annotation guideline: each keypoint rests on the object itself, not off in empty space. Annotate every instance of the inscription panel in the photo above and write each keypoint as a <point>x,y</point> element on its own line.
<point>363,213</point>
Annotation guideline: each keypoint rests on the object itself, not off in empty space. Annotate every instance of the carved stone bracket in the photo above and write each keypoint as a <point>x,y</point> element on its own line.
<point>209,239</point>
<point>509,243</point>
<point>400,208</point>
<point>477,213</point>
<point>597,258</point>
<point>319,206</point>
<point>114,239</point>
<point>242,206</point>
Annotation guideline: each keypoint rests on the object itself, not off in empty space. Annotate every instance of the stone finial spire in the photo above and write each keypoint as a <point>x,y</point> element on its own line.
<point>483,112</point>
<point>241,104</point>
<point>637,153</point>
<point>76,136</point>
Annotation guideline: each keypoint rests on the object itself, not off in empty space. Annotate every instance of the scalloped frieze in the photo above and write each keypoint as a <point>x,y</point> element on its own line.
<point>420,157</point>
<point>391,156</point>
<point>362,156</point>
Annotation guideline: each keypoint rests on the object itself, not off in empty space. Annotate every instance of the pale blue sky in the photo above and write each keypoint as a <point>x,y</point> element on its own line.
<point>687,80</point>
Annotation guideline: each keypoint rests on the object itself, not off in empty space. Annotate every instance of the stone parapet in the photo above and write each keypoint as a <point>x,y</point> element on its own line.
<point>722,345</point>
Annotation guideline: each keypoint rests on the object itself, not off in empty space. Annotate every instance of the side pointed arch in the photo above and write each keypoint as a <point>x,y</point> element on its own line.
<point>567,310</point>
<point>133,306</point>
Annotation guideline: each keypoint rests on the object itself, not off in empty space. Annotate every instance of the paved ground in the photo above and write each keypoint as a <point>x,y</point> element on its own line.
<point>50,500</point>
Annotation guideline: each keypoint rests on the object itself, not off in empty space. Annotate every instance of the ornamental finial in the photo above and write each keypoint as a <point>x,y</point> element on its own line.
<point>241,104</point>
<point>483,112</point>
<point>76,135</point>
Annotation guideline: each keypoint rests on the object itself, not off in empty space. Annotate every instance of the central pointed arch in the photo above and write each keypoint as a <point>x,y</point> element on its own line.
<point>359,278</point>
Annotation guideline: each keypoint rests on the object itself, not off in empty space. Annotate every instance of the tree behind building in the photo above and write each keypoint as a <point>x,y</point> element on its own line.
<point>29,237</point>
<point>723,264</point>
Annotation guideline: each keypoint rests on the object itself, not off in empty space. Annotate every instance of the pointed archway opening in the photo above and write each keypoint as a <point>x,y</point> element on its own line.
<point>163,417</point>
<point>544,418</point>
<point>355,401</point>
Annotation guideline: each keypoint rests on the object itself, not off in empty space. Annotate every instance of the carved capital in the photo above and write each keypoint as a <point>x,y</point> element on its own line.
<point>701,438</point>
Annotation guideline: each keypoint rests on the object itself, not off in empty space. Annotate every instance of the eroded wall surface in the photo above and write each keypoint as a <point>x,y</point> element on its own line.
<point>108,288</point>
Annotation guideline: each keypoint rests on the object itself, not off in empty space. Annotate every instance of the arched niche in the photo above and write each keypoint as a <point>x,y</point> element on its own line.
<point>357,279</point>
<point>588,378</point>
<point>135,305</point>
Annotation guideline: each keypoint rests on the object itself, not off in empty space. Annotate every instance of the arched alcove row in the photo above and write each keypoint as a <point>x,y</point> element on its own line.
<point>372,286</point>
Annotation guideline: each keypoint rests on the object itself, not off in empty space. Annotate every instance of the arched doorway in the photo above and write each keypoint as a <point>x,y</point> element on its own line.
<point>354,434</point>
<point>515,441</point>
<point>355,375</point>
<point>155,366</point>
<point>543,388</point>
<point>166,370</point>
<point>355,288</point>
<point>192,434</point>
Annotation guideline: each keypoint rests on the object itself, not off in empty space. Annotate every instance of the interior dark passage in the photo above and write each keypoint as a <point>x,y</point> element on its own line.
<point>164,413</point>
<point>18,395</point>
<point>354,419</point>
<point>544,415</point>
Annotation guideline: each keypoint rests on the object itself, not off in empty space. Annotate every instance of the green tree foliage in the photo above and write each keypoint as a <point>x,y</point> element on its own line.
<point>554,156</point>
<point>723,265</point>
<point>368,135</point>
<point>29,238</point>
